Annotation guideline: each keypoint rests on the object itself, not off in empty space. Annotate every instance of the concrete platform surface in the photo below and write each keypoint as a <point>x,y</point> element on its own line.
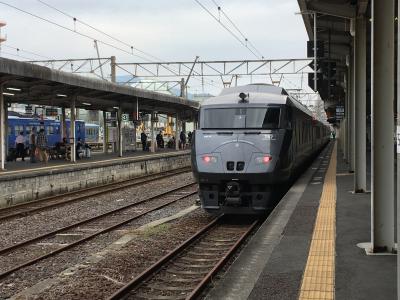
<point>272,265</point>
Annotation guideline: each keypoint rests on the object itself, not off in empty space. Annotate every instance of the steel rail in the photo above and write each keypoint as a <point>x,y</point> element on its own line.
<point>80,241</point>
<point>90,219</point>
<point>201,286</point>
<point>108,188</point>
<point>156,267</point>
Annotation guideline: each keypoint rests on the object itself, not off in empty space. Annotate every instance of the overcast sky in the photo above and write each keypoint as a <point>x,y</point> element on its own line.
<point>171,30</point>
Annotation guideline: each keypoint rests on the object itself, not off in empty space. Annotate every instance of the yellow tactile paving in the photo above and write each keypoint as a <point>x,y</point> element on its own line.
<point>319,275</point>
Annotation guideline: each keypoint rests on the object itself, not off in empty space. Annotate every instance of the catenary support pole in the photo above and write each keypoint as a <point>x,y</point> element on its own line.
<point>113,69</point>
<point>2,129</point>
<point>72,134</point>
<point>105,137</point>
<point>382,197</point>
<point>360,113</point>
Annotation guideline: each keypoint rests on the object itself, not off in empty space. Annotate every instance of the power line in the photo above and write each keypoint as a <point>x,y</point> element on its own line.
<point>237,28</point>
<point>109,35</point>
<point>25,51</point>
<point>84,35</point>
<point>15,55</point>
<point>70,30</point>
<point>225,27</point>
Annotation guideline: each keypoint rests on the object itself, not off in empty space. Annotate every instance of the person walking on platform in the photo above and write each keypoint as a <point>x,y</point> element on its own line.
<point>20,145</point>
<point>32,145</point>
<point>41,144</point>
<point>143,138</point>
<point>182,138</point>
<point>160,140</point>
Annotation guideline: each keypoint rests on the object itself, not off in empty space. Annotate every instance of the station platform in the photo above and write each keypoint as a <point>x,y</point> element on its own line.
<point>23,181</point>
<point>20,167</point>
<point>308,248</point>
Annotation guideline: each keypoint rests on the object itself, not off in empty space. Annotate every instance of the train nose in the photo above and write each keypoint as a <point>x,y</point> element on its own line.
<point>236,156</point>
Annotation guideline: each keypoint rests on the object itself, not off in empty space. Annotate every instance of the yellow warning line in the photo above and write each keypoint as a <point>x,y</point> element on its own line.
<point>319,275</point>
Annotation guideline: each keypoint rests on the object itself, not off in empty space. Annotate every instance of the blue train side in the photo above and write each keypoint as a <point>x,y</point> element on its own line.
<point>51,127</point>
<point>91,133</point>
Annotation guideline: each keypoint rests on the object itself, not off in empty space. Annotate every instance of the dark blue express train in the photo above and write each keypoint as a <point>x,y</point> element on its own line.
<point>52,128</point>
<point>252,140</point>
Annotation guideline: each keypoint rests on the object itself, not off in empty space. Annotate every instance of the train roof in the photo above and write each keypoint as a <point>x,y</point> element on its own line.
<point>257,94</point>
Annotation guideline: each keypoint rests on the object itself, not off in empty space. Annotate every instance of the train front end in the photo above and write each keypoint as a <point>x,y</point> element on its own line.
<point>237,154</point>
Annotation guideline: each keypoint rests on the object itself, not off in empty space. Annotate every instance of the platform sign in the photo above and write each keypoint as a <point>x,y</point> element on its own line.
<point>125,117</point>
<point>339,112</point>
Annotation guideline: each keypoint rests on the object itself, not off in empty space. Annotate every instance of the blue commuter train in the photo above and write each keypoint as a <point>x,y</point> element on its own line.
<point>52,128</point>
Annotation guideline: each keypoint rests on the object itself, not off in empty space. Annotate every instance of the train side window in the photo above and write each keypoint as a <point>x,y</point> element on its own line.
<point>50,130</point>
<point>18,129</point>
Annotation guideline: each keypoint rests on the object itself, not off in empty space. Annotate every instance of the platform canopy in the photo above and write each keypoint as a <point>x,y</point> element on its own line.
<point>27,83</point>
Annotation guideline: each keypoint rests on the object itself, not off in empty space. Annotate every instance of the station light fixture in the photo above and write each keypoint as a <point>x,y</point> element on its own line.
<point>61,95</point>
<point>87,104</point>
<point>13,89</point>
<point>8,94</point>
<point>115,107</point>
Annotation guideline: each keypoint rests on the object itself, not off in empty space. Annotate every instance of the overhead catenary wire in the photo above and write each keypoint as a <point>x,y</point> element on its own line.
<point>75,19</point>
<point>237,28</point>
<point>25,51</point>
<point>71,30</point>
<point>226,28</point>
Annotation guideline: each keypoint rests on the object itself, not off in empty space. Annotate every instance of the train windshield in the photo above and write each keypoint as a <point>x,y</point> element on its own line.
<point>241,118</point>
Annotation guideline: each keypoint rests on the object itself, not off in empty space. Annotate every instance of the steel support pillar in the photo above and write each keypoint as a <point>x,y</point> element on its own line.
<point>2,130</point>
<point>398,155</point>
<point>63,124</point>
<point>72,130</point>
<point>352,106</point>
<point>344,123</point>
<point>360,112</point>
<point>382,206</point>
<point>177,133</point>
<point>119,128</point>
<point>153,144</point>
<point>105,137</point>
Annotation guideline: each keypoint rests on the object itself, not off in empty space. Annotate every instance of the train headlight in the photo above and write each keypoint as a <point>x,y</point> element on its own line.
<point>263,159</point>
<point>208,159</point>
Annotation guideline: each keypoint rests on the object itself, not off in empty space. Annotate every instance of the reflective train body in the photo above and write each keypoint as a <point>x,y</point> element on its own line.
<point>251,140</point>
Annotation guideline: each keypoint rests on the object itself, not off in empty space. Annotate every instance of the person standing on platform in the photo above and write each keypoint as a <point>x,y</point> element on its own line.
<point>32,145</point>
<point>182,138</point>
<point>160,140</point>
<point>143,138</point>
<point>42,146</point>
<point>20,145</point>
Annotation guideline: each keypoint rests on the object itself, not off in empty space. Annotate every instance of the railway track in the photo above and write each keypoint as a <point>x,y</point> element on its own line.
<point>62,239</point>
<point>186,271</point>
<point>28,208</point>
